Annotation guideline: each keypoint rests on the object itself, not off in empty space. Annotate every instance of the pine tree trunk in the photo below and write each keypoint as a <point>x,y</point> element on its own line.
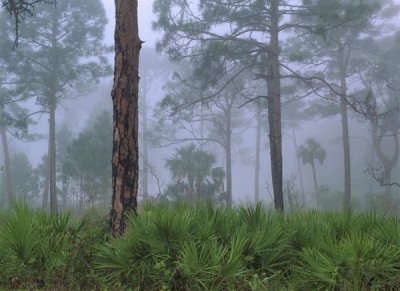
<point>53,83</point>
<point>274,107</point>
<point>7,166</point>
<point>299,169</point>
<point>45,201</point>
<point>315,183</point>
<point>387,162</point>
<point>228,156</point>
<point>202,122</point>
<point>64,195</point>
<point>145,150</point>
<point>345,131</point>
<point>392,162</point>
<point>258,149</point>
<point>81,194</point>
<point>52,159</point>
<point>346,151</point>
<point>191,193</point>
<point>125,163</point>
<point>388,179</point>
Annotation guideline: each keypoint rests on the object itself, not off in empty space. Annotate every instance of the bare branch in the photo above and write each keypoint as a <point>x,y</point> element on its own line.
<point>377,173</point>
<point>19,9</point>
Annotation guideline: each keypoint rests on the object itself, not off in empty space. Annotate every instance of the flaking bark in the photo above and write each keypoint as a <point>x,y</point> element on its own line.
<point>125,166</point>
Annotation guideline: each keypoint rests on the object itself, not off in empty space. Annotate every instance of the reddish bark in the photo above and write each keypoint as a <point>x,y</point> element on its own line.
<point>125,164</point>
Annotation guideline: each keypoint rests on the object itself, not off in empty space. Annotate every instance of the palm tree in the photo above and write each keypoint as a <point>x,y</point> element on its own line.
<point>194,168</point>
<point>310,151</point>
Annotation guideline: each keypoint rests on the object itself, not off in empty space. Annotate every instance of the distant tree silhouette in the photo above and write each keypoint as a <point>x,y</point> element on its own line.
<point>309,152</point>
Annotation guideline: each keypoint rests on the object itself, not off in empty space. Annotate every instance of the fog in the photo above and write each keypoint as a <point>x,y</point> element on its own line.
<point>78,108</point>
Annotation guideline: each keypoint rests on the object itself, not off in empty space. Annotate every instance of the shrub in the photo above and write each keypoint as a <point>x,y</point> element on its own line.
<point>38,249</point>
<point>200,247</point>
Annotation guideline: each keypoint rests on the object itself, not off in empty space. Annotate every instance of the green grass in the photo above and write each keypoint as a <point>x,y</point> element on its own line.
<point>201,247</point>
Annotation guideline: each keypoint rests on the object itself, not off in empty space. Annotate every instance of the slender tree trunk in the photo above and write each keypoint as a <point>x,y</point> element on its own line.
<point>258,150</point>
<point>315,183</point>
<point>377,137</point>
<point>7,166</point>
<point>52,159</point>
<point>345,131</point>
<point>45,201</point>
<point>388,179</point>
<point>64,195</point>
<point>202,127</point>
<point>299,169</point>
<point>274,107</point>
<point>228,156</point>
<point>346,151</point>
<point>81,194</point>
<point>52,104</point>
<point>125,159</point>
<point>387,162</point>
<point>145,149</point>
<point>392,162</point>
<point>191,192</point>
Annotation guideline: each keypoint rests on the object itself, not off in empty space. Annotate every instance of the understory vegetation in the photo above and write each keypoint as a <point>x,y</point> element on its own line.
<point>201,247</point>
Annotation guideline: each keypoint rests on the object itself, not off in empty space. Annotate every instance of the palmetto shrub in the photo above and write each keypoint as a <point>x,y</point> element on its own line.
<point>350,252</point>
<point>194,247</point>
<point>38,249</point>
<point>173,246</point>
<point>200,247</point>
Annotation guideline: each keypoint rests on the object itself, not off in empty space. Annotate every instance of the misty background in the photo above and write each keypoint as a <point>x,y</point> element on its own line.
<point>76,111</point>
